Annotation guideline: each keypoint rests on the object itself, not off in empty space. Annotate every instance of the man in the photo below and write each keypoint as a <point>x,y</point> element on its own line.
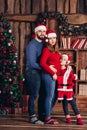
<point>33,70</point>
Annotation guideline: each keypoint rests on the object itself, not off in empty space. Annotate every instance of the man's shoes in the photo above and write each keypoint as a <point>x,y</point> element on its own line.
<point>41,117</point>
<point>35,120</point>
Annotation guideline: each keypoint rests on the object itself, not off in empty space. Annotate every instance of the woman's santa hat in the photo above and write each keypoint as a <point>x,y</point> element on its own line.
<point>40,27</point>
<point>51,33</point>
<point>68,58</point>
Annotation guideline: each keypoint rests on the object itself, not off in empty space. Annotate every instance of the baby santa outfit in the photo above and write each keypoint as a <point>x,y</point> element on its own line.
<point>65,80</point>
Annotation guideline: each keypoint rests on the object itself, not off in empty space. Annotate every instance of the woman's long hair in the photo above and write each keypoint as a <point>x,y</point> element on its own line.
<point>53,48</point>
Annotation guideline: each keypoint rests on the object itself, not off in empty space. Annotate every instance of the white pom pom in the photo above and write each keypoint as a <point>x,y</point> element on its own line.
<point>46,40</point>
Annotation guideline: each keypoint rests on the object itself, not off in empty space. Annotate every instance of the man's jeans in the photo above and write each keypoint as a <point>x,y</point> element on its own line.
<point>33,79</point>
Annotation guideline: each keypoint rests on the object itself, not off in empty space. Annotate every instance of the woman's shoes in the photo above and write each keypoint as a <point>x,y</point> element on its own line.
<point>51,121</point>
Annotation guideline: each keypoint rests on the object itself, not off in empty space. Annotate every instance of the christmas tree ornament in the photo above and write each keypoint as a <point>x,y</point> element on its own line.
<point>10,92</point>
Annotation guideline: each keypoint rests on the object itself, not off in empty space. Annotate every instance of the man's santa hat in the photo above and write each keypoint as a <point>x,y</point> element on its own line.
<point>51,33</point>
<point>68,58</point>
<point>40,27</point>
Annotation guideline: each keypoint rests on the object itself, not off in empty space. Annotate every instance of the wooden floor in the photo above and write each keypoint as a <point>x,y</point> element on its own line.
<point>20,122</point>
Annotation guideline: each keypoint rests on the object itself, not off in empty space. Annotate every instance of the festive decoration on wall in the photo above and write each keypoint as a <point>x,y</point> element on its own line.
<point>52,15</point>
<point>64,27</point>
<point>10,79</point>
<point>68,29</point>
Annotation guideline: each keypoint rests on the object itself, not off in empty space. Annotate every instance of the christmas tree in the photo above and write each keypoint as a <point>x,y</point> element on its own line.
<point>11,80</point>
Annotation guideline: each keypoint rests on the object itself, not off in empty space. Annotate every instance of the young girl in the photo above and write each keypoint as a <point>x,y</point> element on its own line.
<point>50,56</point>
<point>66,83</point>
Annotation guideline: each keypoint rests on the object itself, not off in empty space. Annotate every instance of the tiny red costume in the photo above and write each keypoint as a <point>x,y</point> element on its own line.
<point>65,80</point>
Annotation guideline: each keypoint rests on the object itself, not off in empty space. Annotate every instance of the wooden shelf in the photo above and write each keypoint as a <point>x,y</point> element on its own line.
<point>82,81</point>
<point>79,56</point>
<point>72,18</point>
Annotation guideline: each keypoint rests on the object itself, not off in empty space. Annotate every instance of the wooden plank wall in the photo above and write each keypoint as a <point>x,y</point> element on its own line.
<point>22,15</point>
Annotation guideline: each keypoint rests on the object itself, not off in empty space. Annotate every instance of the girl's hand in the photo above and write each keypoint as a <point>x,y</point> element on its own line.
<point>69,67</point>
<point>52,67</point>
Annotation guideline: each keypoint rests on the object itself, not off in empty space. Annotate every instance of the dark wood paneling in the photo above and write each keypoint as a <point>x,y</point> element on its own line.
<point>2,3</point>
<point>36,4</point>
<point>23,11</point>
<point>67,6</point>
<point>28,6</point>
<point>81,6</point>
<point>85,7</point>
<point>51,24</point>
<point>51,5</point>
<point>10,6</point>
<point>60,6</point>
<point>17,7</point>
<point>73,6</point>
<point>22,40</point>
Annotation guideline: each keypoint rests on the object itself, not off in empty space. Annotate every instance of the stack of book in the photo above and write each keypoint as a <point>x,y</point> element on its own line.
<point>83,89</point>
<point>66,42</point>
<point>78,43</point>
<point>83,86</point>
<point>83,74</point>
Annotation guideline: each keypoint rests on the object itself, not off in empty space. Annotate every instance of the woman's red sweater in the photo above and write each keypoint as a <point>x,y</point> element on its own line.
<point>49,58</point>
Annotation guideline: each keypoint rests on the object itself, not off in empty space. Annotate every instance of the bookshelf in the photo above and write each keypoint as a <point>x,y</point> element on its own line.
<point>72,38</point>
<point>79,65</point>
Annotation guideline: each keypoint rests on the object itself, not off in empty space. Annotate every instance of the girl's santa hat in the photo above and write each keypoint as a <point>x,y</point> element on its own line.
<point>40,27</point>
<point>68,58</point>
<point>51,33</point>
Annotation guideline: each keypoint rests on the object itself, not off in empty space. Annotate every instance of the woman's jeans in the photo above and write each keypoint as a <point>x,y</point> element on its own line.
<point>33,81</point>
<point>50,86</point>
<point>72,103</point>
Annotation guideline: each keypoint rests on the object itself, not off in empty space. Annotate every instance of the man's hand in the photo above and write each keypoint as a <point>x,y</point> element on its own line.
<point>52,67</point>
<point>55,76</point>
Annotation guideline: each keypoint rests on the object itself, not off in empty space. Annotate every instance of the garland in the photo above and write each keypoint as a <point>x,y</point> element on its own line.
<point>64,27</point>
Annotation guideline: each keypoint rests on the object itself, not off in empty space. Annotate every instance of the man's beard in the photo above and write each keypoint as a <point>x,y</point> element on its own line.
<point>40,37</point>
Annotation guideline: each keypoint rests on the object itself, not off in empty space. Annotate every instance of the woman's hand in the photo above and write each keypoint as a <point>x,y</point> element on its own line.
<point>52,67</point>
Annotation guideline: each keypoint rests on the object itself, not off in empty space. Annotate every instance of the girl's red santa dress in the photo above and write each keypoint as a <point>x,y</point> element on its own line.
<point>65,84</point>
<point>66,81</point>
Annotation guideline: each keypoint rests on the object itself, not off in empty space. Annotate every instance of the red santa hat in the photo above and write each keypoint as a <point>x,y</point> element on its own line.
<point>68,58</point>
<point>51,33</point>
<point>40,27</point>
